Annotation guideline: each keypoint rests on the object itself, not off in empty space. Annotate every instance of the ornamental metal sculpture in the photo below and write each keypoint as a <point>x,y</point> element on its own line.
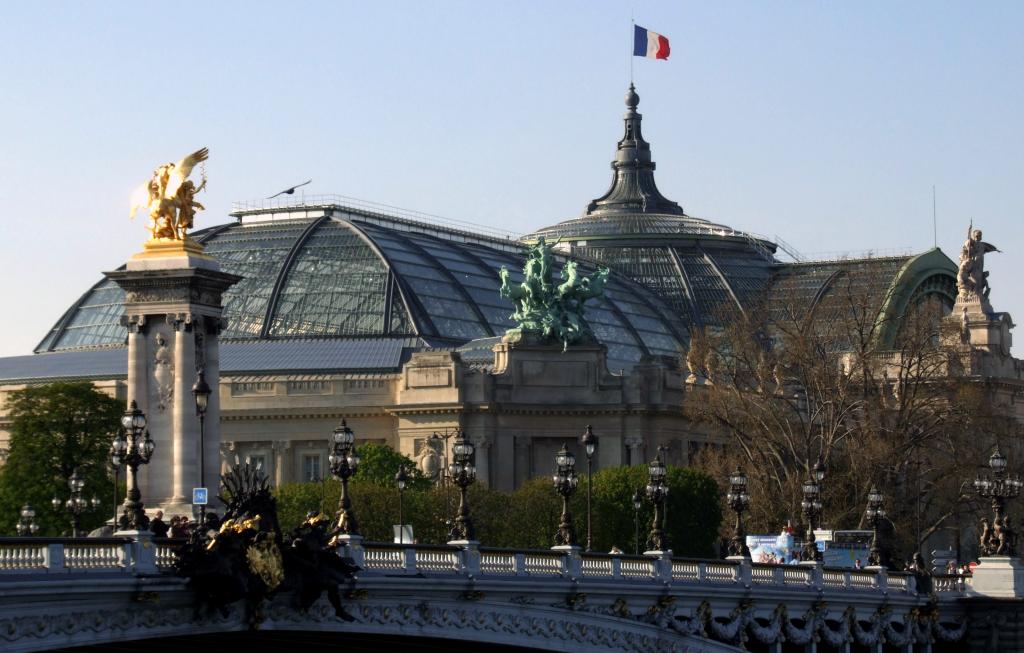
<point>133,451</point>
<point>811,505</point>
<point>738,500</point>
<point>878,556</point>
<point>999,539</point>
<point>75,505</point>
<point>462,471</point>
<point>547,311</point>
<point>344,462</point>
<point>169,198</point>
<point>657,493</point>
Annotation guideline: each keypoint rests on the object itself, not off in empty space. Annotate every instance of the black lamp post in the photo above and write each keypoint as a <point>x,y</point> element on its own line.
<point>638,502</point>
<point>738,500</point>
<point>875,513</point>
<point>201,391</point>
<point>401,480</point>
<point>75,505</point>
<point>1000,538</point>
<point>27,523</point>
<point>819,470</point>
<point>344,463</point>
<point>442,475</point>
<point>589,442</point>
<point>657,492</point>
<point>115,467</point>
<point>565,480</point>
<point>811,505</point>
<point>462,472</point>
<point>133,450</point>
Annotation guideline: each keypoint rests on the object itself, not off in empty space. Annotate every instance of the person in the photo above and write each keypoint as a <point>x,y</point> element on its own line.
<point>615,551</point>
<point>176,528</point>
<point>856,564</point>
<point>158,526</point>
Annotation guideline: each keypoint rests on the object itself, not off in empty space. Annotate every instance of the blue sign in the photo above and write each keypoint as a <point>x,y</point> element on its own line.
<point>198,496</point>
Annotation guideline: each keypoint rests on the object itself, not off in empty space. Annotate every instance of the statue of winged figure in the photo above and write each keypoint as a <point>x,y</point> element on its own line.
<point>170,198</point>
<point>972,279</point>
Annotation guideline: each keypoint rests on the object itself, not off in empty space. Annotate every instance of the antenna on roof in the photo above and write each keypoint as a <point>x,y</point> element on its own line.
<point>935,222</point>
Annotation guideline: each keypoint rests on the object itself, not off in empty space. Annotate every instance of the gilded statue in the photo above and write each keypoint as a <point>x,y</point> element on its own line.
<point>170,198</point>
<point>546,310</point>
<point>971,278</point>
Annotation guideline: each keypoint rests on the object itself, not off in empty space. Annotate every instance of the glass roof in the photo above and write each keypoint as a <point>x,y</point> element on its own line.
<point>323,277</point>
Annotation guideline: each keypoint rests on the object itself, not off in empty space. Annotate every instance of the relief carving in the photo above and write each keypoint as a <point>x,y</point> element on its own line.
<point>163,372</point>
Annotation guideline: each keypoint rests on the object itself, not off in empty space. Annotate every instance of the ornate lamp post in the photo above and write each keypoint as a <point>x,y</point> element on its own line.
<point>401,480</point>
<point>75,504</point>
<point>657,492</point>
<point>811,505</point>
<point>589,442</point>
<point>565,480</point>
<point>875,513</point>
<point>136,450</point>
<point>819,470</point>
<point>344,462</point>
<point>738,500</point>
<point>638,502</point>
<point>115,467</point>
<point>999,539</point>
<point>27,524</point>
<point>463,473</point>
<point>201,392</point>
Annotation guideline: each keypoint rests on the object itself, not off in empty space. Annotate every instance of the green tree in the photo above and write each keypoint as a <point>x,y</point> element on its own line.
<point>56,429</point>
<point>380,463</point>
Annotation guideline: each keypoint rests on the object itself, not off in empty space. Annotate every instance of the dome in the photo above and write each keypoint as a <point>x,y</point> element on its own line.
<point>698,267</point>
<point>341,272</point>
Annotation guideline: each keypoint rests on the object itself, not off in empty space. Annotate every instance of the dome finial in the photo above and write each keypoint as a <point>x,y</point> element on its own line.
<point>632,99</point>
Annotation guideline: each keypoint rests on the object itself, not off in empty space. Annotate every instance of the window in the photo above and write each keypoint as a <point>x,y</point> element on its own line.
<point>258,461</point>
<point>311,467</point>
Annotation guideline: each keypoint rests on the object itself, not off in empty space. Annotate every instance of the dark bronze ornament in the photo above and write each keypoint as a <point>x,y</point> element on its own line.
<point>999,538</point>
<point>462,471</point>
<point>565,480</point>
<point>738,500</point>
<point>657,493</point>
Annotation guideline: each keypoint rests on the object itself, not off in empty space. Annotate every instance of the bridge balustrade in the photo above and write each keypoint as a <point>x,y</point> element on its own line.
<point>116,555</point>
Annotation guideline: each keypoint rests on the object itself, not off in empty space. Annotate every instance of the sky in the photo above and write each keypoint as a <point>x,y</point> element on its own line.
<point>824,123</point>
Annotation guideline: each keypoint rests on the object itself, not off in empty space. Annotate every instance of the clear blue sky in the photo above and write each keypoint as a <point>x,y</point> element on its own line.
<point>824,123</point>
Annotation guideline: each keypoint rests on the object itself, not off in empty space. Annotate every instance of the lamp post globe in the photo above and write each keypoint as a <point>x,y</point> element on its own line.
<point>999,538</point>
<point>344,463</point>
<point>565,483</point>
<point>589,442</point>
<point>134,450</point>
<point>201,393</point>
<point>401,480</point>
<point>463,473</point>
<point>874,514</point>
<point>657,492</point>
<point>738,500</point>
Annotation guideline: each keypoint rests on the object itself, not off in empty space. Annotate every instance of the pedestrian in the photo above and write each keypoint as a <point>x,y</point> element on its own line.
<point>856,564</point>
<point>158,526</point>
<point>176,529</point>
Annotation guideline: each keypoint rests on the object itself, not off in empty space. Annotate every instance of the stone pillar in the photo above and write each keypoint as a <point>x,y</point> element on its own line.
<point>281,459</point>
<point>522,462</point>
<point>173,292</point>
<point>635,447</point>
<point>483,452</point>
<point>185,424</point>
<point>211,456</point>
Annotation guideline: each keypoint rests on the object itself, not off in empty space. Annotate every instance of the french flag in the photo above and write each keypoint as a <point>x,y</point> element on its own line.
<point>649,44</point>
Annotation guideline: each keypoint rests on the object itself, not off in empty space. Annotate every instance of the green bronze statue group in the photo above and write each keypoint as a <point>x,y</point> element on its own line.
<point>549,312</point>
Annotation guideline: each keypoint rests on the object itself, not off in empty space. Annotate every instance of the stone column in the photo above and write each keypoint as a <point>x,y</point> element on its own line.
<point>281,449</point>
<point>635,450</point>
<point>185,429</point>
<point>522,462</point>
<point>483,452</point>
<point>138,375</point>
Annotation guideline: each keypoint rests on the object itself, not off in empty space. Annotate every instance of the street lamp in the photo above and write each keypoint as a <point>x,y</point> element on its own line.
<point>999,539</point>
<point>638,502</point>
<point>134,450</point>
<point>657,492</point>
<point>463,472</point>
<point>565,480</point>
<point>875,513</point>
<point>401,480</point>
<point>344,462</point>
<point>442,475</point>
<point>201,392</point>
<point>738,500</point>
<point>115,467</point>
<point>819,470</point>
<point>27,524</point>
<point>75,505</point>
<point>589,442</point>
<point>811,505</point>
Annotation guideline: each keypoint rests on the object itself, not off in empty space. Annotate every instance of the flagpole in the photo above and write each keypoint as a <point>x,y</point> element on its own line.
<point>632,35</point>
